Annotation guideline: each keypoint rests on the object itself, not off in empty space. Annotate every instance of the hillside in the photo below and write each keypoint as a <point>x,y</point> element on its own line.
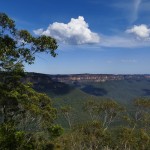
<point>77,93</point>
<point>123,89</point>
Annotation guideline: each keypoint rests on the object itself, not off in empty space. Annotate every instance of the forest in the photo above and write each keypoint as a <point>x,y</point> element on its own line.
<point>28,118</point>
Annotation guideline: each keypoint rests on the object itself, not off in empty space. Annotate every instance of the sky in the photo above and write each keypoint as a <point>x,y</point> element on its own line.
<point>94,36</point>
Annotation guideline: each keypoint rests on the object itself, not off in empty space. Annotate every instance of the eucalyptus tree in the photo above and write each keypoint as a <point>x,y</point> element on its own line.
<point>20,104</point>
<point>105,110</point>
<point>142,113</point>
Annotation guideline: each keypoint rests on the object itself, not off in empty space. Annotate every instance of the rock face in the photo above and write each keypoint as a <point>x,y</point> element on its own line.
<point>73,78</point>
<point>44,83</point>
<point>95,77</point>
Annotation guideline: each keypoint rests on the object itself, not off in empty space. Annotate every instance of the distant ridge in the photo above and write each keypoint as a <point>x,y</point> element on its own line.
<point>72,78</point>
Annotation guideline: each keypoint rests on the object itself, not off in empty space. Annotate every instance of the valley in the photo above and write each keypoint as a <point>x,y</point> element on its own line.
<point>123,89</point>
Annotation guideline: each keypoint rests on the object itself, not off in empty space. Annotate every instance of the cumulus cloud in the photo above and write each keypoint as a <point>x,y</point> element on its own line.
<point>75,32</point>
<point>142,31</point>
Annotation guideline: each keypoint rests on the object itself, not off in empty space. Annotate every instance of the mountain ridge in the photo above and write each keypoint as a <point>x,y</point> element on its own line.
<point>74,78</point>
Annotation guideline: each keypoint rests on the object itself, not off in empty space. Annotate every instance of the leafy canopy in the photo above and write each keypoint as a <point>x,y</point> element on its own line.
<point>22,109</point>
<point>18,46</point>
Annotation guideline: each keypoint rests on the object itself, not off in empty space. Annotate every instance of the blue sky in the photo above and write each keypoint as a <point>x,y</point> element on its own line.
<point>94,36</point>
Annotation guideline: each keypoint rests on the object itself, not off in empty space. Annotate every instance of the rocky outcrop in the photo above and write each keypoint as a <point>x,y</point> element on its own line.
<point>72,78</point>
<point>95,77</point>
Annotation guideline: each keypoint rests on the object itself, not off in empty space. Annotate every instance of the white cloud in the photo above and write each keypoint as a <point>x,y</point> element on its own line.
<point>76,32</point>
<point>142,31</point>
<point>115,41</point>
<point>38,31</point>
<point>136,6</point>
<point>122,41</point>
<point>130,7</point>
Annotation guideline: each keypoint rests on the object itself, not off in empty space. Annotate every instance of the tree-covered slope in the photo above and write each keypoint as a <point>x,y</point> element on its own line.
<point>75,95</point>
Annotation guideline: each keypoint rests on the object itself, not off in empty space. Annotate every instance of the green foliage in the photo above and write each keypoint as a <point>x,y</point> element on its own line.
<point>11,139</point>
<point>123,92</point>
<point>121,135</point>
<point>24,112</point>
<point>55,131</point>
<point>106,110</point>
<point>19,46</point>
<point>67,113</point>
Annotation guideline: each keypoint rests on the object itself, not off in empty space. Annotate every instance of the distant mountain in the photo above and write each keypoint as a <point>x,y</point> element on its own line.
<point>121,87</point>
<point>44,83</point>
<point>73,78</point>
